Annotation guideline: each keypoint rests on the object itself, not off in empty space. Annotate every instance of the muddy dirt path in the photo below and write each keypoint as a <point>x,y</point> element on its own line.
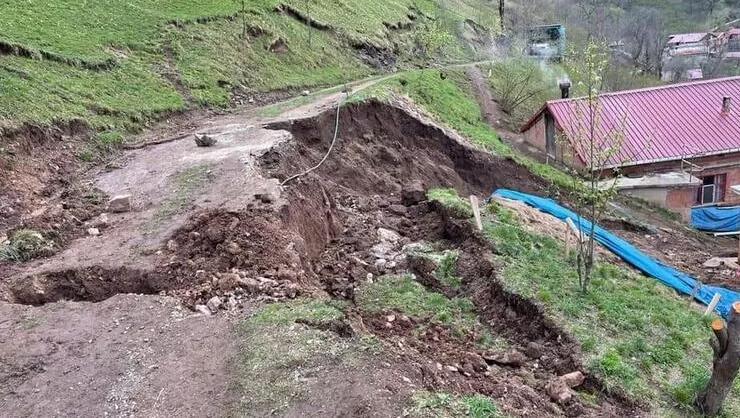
<point>92,346</point>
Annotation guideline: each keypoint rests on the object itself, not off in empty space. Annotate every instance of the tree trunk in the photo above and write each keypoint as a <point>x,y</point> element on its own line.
<point>726,363</point>
<point>501,7</point>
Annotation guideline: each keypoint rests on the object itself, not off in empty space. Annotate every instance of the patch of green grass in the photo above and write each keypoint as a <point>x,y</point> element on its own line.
<point>119,64</point>
<point>277,353</point>
<point>24,245</point>
<point>450,199</point>
<point>445,260</point>
<point>446,270</point>
<point>184,185</point>
<point>405,295</point>
<point>637,335</point>
<point>440,404</point>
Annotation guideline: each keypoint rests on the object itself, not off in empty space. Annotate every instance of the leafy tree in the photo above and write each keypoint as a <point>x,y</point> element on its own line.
<point>599,144</point>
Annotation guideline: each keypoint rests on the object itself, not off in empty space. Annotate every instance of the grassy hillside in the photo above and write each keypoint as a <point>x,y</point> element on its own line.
<point>118,63</point>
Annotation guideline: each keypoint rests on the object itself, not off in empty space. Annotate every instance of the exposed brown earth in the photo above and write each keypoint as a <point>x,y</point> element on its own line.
<point>214,222</point>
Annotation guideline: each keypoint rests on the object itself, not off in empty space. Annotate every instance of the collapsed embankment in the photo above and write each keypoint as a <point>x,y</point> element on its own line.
<point>348,223</point>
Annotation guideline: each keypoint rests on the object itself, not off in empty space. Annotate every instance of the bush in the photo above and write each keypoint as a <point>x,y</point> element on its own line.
<point>522,86</point>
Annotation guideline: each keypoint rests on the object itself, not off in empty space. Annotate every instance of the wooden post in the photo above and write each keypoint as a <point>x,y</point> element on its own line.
<point>476,212</point>
<point>567,242</point>
<point>726,347</point>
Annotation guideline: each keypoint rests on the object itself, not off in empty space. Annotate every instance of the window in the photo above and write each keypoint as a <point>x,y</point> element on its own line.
<point>712,189</point>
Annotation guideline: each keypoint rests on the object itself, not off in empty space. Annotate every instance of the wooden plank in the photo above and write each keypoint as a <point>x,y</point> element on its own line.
<point>713,304</point>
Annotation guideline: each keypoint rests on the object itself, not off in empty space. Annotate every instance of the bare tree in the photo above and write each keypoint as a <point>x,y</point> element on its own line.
<point>644,31</point>
<point>726,348</point>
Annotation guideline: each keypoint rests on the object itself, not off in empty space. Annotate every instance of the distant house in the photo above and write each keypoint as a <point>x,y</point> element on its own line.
<point>731,43</point>
<point>685,55</point>
<point>682,139</point>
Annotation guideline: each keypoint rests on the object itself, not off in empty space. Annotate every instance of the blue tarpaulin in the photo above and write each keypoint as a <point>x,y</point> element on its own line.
<point>716,218</point>
<point>669,276</point>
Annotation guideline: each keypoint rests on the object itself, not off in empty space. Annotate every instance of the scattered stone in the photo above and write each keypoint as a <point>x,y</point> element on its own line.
<point>398,210</point>
<point>413,194</point>
<point>233,248</point>
<point>534,350</point>
<point>451,369</point>
<point>120,204</point>
<point>306,92</point>
<point>716,262</point>
<point>101,221</point>
<point>214,304</point>
<point>93,232</point>
<point>203,140</point>
<point>380,264</point>
<point>264,197</point>
<point>574,379</point>
<point>203,309</point>
<point>511,358</point>
<point>291,290</point>
<point>477,362</point>
<point>249,284</point>
<point>558,390</point>
<point>386,235</point>
<point>287,274</point>
<point>228,281</point>
<point>390,318</point>
<point>172,245</point>
<point>406,379</point>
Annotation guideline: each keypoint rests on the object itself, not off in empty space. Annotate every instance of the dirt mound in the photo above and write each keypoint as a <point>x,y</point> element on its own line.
<point>381,148</point>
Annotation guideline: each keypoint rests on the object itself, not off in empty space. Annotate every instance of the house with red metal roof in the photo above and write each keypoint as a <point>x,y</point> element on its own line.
<point>690,131</point>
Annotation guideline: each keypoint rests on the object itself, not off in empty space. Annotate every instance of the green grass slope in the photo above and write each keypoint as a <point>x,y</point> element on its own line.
<point>119,63</point>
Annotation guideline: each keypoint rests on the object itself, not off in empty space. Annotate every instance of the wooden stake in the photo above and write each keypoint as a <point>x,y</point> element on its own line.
<point>713,304</point>
<point>476,212</point>
<point>567,242</point>
<point>575,230</point>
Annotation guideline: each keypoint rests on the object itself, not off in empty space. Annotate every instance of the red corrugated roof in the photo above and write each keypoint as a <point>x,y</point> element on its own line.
<point>683,38</point>
<point>654,124</point>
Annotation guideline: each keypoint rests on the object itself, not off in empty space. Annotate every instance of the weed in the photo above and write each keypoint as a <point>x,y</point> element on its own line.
<point>440,404</point>
<point>24,245</point>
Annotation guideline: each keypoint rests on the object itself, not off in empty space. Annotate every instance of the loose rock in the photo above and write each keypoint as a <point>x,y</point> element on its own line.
<point>413,194</point>
<point>534,350</point>
<point>93,232</point>
<point>214,304</point>
<point>203,309</point>
<point>120,204</point>
<point>573,379</point>
<point>512,358</point>
<point>558,390</point>
<point>203,140</point>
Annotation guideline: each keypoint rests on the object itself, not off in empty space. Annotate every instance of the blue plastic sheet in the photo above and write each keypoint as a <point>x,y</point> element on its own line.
<point>716,219</point>
<point>669,276</point>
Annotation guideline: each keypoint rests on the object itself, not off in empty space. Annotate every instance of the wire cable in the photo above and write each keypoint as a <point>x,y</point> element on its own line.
<point>331,147</point>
